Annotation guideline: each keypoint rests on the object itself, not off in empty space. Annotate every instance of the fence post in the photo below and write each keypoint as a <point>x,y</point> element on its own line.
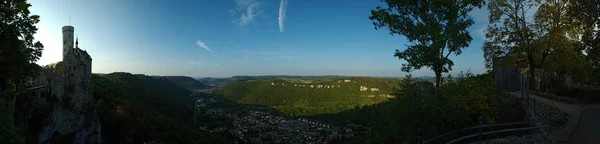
<point>480,124</point>
<point>419,136</point>
<point>534,110</point>
<point>522,86</point>
<point>527,88</point>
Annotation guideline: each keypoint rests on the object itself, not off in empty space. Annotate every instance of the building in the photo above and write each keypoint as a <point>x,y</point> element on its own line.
<point>506,76</point>
<point>73,92</point>
<point>77,63</point>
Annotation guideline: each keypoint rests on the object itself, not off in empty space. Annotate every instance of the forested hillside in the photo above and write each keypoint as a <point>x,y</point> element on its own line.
<point>415,107</point>
<point>186,82</point>
<point>215,81</point>
<point>301,99</point>
<point>139,108</point>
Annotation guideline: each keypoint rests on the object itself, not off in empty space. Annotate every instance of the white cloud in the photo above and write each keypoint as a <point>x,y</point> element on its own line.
<point>248,9</point>
<point>202,45</point>
<point>282,8</point>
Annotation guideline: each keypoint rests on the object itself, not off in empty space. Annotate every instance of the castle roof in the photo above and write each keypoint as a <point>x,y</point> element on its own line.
<point>80,53</point>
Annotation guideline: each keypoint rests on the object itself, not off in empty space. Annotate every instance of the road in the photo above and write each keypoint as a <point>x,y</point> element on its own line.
<point>588,129</point>
<point>583,126</point>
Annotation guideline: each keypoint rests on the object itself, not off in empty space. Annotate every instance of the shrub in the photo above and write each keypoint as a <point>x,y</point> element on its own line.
<point>416,108</point>
<point>9,133</point>
<point>587,94</point>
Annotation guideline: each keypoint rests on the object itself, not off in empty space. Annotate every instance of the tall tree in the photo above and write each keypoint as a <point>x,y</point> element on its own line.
<point>560,33</point>
<point>510,33</point>
<point>435,29</point>
<point>588,12</point>
<point>18,52</point>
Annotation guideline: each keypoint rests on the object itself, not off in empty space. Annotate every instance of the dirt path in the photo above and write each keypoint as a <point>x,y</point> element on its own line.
<point>588,129</point>
<point>583,125</point>
<point>566,107</point>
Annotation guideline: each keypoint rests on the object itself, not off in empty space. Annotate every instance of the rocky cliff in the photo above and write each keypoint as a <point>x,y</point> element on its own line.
<point>73,118</point>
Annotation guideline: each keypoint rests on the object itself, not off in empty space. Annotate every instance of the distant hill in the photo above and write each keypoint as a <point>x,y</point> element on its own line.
<point>295,79</point>
<point>426,78</point>
<point>302,99</point>
<point>186,82</point>
<point>215,81</point>
<point>140,108</point>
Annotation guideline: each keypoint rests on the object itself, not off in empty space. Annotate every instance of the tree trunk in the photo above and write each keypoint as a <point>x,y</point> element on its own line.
<point>438,79</point>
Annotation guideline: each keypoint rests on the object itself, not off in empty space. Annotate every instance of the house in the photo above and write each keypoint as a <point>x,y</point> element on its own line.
<point>510,77</point>
<point>506,76</point>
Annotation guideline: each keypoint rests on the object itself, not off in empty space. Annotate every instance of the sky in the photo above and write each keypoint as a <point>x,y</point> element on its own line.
<point>223,38</point>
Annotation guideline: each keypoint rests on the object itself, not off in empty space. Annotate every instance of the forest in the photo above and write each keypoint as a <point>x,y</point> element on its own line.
<point>140,108</point>
<point>299,99</point>
<point>465,98</point>
<point>186,82</point>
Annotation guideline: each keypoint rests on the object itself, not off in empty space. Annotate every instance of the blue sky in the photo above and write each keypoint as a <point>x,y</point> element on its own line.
<point>222,38</point>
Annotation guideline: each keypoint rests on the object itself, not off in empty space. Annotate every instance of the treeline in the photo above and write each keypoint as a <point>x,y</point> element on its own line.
<point>186,82</point>
<point>139,108</point>
<point>415,107</point>
<point>295,100</point>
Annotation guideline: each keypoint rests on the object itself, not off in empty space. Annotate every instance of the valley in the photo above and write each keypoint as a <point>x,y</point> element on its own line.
<point>304,99</point>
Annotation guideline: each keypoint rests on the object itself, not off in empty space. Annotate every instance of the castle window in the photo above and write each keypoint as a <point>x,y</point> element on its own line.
<point>64,42</point>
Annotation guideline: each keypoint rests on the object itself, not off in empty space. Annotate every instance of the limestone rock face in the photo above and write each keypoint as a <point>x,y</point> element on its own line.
<point>83,128</point>
<point>73,119</point>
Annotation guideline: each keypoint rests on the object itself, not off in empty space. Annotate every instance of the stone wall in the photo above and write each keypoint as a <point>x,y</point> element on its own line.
<point>72,113</point>
<point>77,66</point>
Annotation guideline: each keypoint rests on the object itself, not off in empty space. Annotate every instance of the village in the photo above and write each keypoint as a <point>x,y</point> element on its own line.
<point>252,126</point>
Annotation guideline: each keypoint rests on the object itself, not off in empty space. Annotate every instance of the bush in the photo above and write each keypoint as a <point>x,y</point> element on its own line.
<point>416,108</point>
<point>9,133</point>
<point>587,94</point>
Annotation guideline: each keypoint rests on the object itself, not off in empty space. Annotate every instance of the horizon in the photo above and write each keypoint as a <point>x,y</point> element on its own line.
<point>236,37</point>
<point>275,75</point>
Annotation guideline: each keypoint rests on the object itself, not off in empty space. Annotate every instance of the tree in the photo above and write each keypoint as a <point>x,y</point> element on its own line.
<point>435,28</point>
<point>18,52</point>
<point>588,12</point>
<point>511,34</point>
<point>549,42</point>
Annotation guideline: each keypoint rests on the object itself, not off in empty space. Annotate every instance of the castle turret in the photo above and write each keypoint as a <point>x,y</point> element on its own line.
<point>77,63</point>
<point>67,32</point>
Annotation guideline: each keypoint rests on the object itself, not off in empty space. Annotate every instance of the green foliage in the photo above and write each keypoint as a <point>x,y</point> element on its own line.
<point>9,133</point>
<point>54,67</point>
<point>436,29</point>
<point>415,107</point>
<point>186,82</point>
<point>588,14</point>
<point>139,108</point>
<point>551,41</point>
<point>585,94</point>
<point>215,81</point>
<point>469,94</point>
<point>303,101</point>
<point>510,33</point>
<point>18,52</point>
<point>293,79</point>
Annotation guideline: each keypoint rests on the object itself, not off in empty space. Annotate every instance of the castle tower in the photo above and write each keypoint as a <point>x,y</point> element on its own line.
<point>77,63</point>
<point>67,32</point>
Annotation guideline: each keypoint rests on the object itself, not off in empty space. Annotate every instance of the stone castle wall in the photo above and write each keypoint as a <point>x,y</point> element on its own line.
<point>77,66</point>
<point>72,113</point>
